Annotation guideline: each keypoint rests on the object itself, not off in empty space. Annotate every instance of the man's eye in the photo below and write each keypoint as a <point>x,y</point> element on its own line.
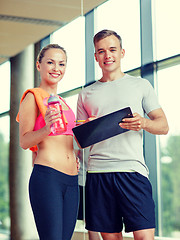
<point>100,52</point>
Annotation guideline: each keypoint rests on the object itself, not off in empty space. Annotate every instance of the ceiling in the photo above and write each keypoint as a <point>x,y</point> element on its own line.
<point>23,22</point>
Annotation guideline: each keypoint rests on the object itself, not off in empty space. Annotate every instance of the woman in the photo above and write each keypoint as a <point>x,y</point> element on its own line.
<point>53,186</point>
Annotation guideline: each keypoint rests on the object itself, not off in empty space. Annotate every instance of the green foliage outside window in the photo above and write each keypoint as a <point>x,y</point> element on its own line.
<point>4,184</point>
<point>170,181</point>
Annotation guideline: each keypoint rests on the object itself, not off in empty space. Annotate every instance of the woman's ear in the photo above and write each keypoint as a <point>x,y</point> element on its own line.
<point>38,65</point>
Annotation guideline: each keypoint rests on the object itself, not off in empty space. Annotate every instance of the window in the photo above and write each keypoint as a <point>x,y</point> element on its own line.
<point>168,91</point>
<point>124,18</point>
<point>72,102</point>
<point>5,87</point>
<point>4,171</point>
<point>72,38</point>
<point>4,148</point>
<point>166,22</point>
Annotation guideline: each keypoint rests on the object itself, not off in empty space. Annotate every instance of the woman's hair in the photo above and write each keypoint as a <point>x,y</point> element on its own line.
<point>49,46</point>
<point>106,33</point>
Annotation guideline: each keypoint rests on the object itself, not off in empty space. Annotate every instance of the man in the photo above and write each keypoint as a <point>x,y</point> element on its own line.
<point>118,191</point>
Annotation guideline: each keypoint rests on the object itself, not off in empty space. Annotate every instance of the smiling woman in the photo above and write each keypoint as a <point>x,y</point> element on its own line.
<point>51,63</point>
<point>55,167</point>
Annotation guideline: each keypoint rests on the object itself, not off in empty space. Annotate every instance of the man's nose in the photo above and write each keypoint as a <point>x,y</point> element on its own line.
<point>107,54</point>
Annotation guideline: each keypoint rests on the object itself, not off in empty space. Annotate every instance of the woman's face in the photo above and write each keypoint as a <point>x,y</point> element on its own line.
<point>53,65</point>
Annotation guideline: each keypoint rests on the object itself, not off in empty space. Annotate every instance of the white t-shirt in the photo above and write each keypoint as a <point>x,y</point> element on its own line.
<point>123,152</point>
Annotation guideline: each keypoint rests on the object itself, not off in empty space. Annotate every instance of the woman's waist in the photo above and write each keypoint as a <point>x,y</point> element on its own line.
<point>71,179</point>
<point>65,164</point>
<point>56,154</point>
<point>56,143</point>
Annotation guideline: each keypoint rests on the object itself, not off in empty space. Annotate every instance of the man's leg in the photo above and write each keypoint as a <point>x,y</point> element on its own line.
<point>146,234</point>
<point>94,235</point>
<point>112,236</point>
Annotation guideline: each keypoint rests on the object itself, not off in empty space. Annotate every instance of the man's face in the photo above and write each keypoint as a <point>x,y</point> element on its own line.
<point>109,53</point>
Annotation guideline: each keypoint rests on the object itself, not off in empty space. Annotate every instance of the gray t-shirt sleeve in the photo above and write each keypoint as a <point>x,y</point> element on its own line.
<point>150,99</point>
<point>81,111</point>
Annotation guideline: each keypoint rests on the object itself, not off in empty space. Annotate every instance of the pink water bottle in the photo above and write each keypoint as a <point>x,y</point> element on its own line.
<point>60,125</point>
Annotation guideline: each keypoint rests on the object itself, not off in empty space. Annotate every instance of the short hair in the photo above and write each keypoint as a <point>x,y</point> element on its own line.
<point>49,46</point>
<point>106,33</point>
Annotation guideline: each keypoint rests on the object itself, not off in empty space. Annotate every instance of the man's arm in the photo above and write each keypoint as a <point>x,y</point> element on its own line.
<point>157,124</point>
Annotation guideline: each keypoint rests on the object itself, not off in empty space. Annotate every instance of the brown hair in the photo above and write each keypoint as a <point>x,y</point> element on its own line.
<point>49,46</point>
<point>106,33</point>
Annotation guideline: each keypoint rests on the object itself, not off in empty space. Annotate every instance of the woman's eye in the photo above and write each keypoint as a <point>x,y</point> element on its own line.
<point>49,62</point>
<point>62,64</point>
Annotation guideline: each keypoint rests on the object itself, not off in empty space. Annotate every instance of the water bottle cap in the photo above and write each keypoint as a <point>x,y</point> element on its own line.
<point>53,98</point>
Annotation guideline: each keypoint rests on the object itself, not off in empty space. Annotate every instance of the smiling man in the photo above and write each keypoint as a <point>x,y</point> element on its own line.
<point>118,191</point>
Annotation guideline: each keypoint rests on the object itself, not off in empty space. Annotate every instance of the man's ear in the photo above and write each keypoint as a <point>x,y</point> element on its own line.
<point>122,53</point>
<point>95,57</point>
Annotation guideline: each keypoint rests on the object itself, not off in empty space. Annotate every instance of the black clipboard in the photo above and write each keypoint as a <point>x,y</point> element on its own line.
<point>101,128</point>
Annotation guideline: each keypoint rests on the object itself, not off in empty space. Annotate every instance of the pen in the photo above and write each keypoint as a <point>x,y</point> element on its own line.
<point>80,121</point>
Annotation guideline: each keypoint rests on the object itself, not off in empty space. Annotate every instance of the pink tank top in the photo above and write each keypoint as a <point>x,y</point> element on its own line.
<point>70,117</point>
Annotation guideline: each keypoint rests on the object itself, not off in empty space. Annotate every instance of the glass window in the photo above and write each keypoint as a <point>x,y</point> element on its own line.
<point>72,102</point>
<point>72,38</point>
<point>124,18</point>
<point>168,91</point>
<point>4,178</point>
<point>5,87</point>
<point>166,22</point>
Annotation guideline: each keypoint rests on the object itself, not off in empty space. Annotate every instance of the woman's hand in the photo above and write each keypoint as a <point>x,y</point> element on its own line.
<point>51,116</point>
<point>78,164</point>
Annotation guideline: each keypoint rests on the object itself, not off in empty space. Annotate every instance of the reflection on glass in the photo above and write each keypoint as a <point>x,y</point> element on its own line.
<point>72,102</point>
<point>168,89</point>
<point>124,18</point>
<point>166,22</point>
<point>4,182</point>
<point>80,224</point>
<point>72,38</point>
<point>5,87</point>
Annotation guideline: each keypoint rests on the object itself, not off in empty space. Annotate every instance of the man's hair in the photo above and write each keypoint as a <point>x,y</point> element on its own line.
<point>49,46</point>
<point>106,33</point>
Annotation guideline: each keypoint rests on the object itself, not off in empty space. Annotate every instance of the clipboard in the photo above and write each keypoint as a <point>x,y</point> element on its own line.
<point>101,128</point>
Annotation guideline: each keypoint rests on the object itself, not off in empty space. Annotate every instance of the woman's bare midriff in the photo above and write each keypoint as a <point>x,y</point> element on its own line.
<point>57,152</point>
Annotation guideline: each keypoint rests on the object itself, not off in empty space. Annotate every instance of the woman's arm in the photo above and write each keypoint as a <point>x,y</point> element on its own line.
<point>28,113</point>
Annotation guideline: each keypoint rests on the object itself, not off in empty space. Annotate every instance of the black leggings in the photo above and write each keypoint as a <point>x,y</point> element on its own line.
<point>54,201</point>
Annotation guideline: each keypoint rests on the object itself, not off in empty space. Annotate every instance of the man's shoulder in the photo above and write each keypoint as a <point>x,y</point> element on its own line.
<point>138,79</point>
<point>89,87</point>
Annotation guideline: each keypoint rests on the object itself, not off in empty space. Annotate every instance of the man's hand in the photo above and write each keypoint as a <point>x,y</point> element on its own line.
<point>90,119</point>
<point>156,124</point>
<point>135,123</point>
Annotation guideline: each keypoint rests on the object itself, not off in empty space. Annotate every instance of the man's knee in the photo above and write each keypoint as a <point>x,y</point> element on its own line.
<point>112,236</point>
<point>145,234</point>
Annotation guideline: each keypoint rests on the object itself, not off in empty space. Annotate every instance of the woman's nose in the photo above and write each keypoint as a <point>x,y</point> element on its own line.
<point>56,67</point>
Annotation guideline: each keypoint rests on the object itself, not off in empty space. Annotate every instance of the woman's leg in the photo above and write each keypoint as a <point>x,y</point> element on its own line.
<point>70,210</point>
<point>47,203</point>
